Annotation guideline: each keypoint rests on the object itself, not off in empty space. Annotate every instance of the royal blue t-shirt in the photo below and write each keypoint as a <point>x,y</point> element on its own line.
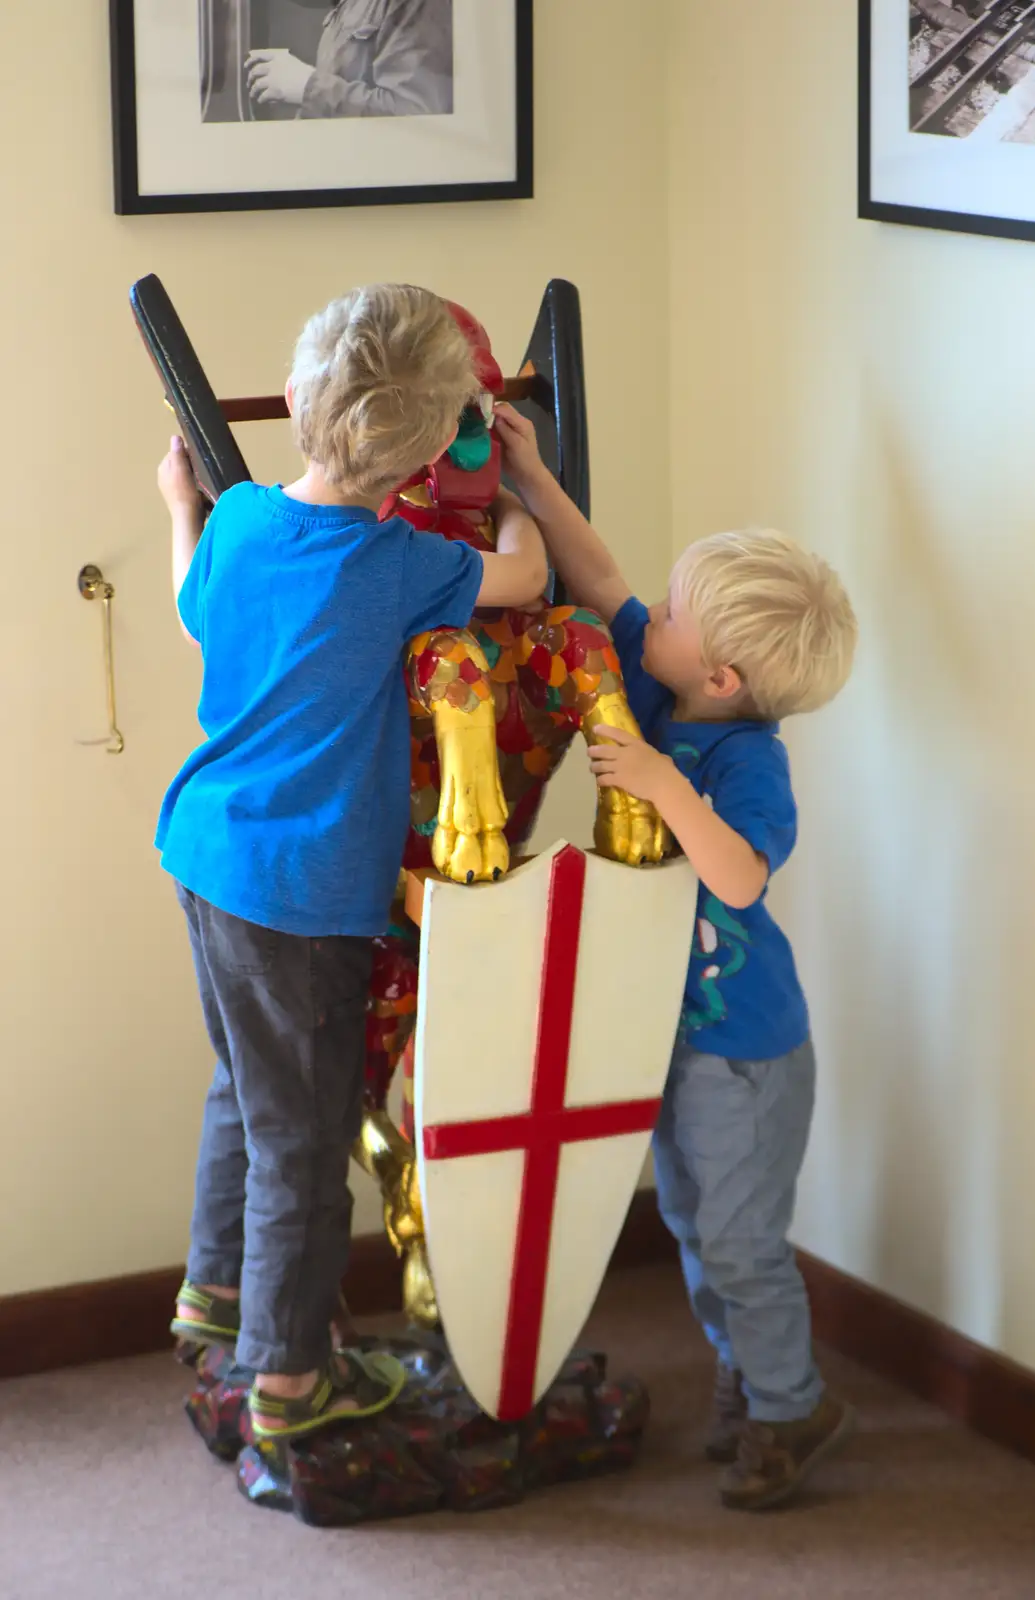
<point>743,999</point>
<point>293,813</point>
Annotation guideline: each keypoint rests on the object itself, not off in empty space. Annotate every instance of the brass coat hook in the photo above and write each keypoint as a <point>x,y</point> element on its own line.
<point>94,586</point>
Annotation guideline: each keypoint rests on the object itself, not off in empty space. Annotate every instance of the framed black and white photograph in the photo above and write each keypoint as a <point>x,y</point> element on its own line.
<point>233,105</point>
<point>947,114</point>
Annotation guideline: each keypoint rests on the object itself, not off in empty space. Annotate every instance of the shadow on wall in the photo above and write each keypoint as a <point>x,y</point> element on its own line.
<point>920,976</point>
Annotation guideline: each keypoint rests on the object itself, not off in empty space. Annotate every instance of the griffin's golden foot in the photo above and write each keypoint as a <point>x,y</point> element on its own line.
<point>404,1216</point>
<point>469,846</point>
<point>481,857</point>
<point>419,1299</point>
<point>629,830</point>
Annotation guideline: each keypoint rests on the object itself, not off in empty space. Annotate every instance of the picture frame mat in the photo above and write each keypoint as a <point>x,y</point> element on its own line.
<point>974,185</point>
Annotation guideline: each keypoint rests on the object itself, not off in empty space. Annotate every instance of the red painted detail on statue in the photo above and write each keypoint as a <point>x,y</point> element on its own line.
<point>594,635</point>
<point>417,852</point>
<point>427,664</point>
<point>542,1132</point>
<point>470,671</point>
<point>488,370</point>
<point>573,653</point>
<point>536,691</point>
<point>512,734</point>
<point>455,489</point>
<point>541,662</point>
<point>585,645</point>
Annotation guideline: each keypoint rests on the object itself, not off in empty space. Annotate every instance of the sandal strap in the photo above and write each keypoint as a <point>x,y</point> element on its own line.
<point>294,1410</point>
<point>213,1311</point>
<point>360,1382</point>
<point>371,1381</point>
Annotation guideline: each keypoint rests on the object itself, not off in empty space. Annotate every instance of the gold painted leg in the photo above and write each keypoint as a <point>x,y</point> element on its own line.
<point>419,1297</point>
<point>469,844</point>
<point>389,1159</point>
<point>627,829</point>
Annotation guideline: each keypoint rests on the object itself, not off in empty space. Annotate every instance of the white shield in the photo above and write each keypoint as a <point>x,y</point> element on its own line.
<point>547,1012</point>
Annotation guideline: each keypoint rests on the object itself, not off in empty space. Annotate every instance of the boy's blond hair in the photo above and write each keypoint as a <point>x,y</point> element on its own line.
<point>772,611</point>
<point>380,378</point>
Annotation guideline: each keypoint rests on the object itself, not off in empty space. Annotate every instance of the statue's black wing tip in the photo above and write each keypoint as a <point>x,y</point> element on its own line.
<point>214,452</point>
<point>557,403</point>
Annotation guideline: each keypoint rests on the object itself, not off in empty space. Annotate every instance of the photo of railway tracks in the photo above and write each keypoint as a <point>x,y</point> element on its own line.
<point>972,69</point>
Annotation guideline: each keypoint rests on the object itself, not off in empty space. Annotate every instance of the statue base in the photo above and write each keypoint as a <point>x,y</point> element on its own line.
<point>433,1450</point>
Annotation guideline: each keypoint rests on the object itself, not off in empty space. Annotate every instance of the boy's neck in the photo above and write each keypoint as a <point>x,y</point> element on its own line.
<point>686,710</point>
<point>314,489</point>
<point>691,713</point>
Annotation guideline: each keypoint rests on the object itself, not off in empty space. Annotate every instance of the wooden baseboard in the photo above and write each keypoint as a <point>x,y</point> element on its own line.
<point>130,1316</point>
<point>86,1322</point>
<point>985,1391</point>
<point>119,1317</point>
<point>114,1318</point>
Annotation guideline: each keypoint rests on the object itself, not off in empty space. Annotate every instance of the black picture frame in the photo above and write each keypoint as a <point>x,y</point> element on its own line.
<point>873,210</point>
<point>130,202</point>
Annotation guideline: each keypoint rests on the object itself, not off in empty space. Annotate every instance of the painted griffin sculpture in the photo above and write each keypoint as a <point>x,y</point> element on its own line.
<point>494,708</point>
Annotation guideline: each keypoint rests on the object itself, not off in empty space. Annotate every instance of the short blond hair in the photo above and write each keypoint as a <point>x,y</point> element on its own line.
<point>777,614</point>
<point>380,377</point>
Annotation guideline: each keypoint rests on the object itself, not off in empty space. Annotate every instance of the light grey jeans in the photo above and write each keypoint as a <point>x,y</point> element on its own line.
<point>728,1150</point>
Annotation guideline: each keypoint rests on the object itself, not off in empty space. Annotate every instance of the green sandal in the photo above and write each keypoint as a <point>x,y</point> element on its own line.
<point>356,1384</point>
<point>219,1321</point>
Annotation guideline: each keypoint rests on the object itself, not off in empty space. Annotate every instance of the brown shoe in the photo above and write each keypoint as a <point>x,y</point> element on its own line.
<point>775,1458</point>
<point>729,1414</point>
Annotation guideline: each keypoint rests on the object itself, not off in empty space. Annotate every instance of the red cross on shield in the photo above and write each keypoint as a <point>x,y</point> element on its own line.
<point>548,1009</point>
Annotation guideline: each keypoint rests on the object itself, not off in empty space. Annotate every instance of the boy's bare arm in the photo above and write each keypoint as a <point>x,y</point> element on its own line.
<point>586,565</point>
<point>180,493</point>
<point>727,865</point>
<point>516,574</point>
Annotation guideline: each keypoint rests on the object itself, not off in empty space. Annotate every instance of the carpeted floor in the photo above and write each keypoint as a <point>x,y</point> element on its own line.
<point>105,1494</point>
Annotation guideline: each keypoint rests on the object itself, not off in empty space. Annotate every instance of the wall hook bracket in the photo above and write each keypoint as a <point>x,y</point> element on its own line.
<point>93,585</point>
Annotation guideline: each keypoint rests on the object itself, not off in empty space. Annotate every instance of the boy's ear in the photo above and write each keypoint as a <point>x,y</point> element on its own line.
<point>289,396</point>
<point>724,683</point>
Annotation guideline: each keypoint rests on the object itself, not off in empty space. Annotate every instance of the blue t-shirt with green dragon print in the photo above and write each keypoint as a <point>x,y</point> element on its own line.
<point>743,998</point>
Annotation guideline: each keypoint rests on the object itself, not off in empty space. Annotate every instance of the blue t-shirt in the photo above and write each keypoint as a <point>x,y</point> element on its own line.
<point>743,998</point>
<point>293,813</point>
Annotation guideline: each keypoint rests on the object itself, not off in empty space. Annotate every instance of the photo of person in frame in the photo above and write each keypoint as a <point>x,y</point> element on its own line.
<point>297,59</point>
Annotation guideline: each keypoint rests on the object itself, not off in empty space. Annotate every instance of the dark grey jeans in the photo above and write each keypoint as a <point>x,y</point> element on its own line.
<point>286,1016</point>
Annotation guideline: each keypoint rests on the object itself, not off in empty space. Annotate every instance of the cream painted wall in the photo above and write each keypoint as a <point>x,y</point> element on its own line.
<point>869,388</point>
<point>873,390</point>
<point>102,1058</point>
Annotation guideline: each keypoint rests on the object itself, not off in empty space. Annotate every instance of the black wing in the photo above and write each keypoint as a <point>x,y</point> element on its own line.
<point>557,404</point>
<point>214,452</point>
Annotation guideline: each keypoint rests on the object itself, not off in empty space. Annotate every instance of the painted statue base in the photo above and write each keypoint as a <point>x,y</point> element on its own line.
<point>434,1450</point>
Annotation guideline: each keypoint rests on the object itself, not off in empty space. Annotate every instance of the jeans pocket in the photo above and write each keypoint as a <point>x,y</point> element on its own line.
<point>753,1073</point>
<point>241,948</point>
<point>782,1089</point>
<point>340,968</point>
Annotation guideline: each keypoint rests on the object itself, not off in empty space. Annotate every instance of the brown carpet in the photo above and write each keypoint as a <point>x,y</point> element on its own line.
<point>105,1494</point>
